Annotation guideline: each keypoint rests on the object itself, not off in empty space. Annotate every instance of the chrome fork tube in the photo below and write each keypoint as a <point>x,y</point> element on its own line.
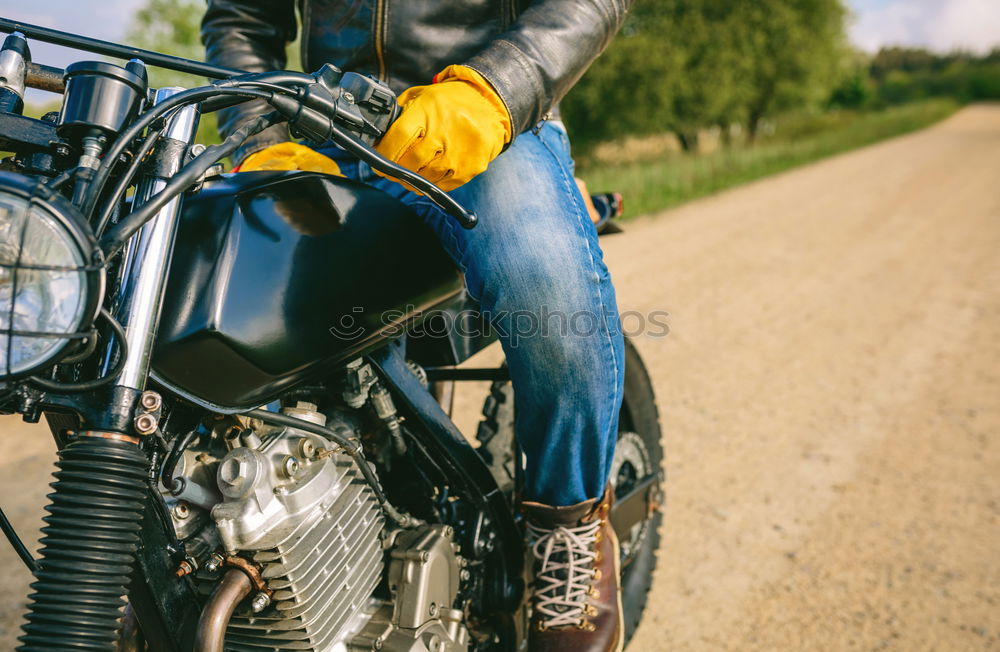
<point>146,259</point>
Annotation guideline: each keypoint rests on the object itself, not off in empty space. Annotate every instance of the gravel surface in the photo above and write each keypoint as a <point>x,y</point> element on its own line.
<point>830,396</point>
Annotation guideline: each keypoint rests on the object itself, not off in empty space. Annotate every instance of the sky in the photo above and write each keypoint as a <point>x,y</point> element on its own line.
<point>940,25</point>
<point>937,24</point>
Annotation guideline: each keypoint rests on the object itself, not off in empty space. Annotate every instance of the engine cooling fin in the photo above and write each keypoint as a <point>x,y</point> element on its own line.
<point>89,546</point>
<point>322,574</point>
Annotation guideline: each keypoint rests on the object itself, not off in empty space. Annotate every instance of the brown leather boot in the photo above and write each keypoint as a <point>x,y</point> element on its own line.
<point>576,601</point>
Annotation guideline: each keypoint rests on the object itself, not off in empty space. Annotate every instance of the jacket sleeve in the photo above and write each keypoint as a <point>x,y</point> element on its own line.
<point>546,50</point>
<point>249,35</point>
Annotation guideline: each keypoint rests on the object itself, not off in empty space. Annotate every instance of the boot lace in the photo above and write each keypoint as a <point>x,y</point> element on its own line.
<point>565,571</point>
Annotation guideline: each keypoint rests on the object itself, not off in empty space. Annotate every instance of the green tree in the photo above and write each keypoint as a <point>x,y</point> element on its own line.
<point>172,27</point>
<point>908,60</point>
<point>855,88</point>
<point>683,65</point>
<point>628,90</point>
<point>908,74</point>
<point>664,72</point>
<point>789,52</point>
<point>701,86</point>
<point>855,91</point>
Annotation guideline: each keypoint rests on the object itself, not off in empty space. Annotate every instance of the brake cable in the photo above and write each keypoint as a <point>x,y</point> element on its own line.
<point>148,118</point>
<point>116,238</point>
<point>123,183</point>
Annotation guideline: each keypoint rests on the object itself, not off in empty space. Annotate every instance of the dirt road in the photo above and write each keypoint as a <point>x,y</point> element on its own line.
<point>830,393</point>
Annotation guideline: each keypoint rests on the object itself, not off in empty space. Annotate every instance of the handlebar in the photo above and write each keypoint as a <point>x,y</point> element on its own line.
<point>325,101</point>
<point>44,78</point>
<point>328,103</point>
<point>116,50</point>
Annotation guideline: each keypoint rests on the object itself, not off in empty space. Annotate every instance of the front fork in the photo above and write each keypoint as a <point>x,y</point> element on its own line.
<point>95,518</point>
<point>146,260</point>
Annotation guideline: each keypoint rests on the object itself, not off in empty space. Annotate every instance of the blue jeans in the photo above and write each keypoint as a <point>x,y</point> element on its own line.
<point>534,265</point>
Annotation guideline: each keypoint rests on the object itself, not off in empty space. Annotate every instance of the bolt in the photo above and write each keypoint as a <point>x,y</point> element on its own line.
<point>348,97</point>
<point>214,562</point>
<point>291,466</point>
<point>433,611</point>
<point>181,510</point>
<point>307,448</point>
<point>260,602</point>
<point>231,471</point>
<point>196,149</point>
<point>465,574</point>
<point>150,401</point>
<point>184,568</point>
<point>145,424</point>
<point>378,644</point>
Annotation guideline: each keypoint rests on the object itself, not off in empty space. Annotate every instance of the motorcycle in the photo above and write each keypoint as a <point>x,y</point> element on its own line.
<point>249,379</point>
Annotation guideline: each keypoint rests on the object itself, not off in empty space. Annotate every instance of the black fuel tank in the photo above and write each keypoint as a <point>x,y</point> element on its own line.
<point>277,276</point>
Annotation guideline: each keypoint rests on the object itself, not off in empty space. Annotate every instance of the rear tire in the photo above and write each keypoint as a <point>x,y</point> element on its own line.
<point>638,428</point>
<point>640,452</point>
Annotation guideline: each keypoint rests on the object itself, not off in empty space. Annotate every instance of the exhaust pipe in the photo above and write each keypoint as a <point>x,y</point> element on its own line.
<point>211,633</point>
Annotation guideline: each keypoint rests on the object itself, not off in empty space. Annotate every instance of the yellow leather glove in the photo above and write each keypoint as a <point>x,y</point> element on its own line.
<point>448,132</point>
<point>289,156</point>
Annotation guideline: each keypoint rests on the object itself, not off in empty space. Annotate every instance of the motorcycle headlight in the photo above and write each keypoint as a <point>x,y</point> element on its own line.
<point>51,276</point>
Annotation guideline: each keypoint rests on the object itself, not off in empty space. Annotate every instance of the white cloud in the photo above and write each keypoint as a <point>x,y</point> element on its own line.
<point>936,24</point>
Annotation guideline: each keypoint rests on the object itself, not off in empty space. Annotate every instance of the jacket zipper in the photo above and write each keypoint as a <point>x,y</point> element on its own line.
<point>380,38</point>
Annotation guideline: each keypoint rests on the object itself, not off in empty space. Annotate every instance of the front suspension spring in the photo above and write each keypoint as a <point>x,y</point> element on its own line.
<point>89,545</point>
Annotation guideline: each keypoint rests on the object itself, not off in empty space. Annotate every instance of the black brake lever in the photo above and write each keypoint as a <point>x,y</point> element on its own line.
<point>319,128</point>
<point>466,218</point>
<point>319,123</point>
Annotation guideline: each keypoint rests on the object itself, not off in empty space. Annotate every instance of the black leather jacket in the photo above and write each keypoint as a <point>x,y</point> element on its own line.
<point>531,52</point>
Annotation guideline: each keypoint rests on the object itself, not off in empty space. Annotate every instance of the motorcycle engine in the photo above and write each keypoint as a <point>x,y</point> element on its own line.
<point>296,513</point>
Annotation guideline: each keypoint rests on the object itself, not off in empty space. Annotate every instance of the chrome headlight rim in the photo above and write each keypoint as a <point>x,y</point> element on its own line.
<point>68,218</point>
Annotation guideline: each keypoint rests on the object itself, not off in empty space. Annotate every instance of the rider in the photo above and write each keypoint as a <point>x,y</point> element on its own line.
<point>479,82</point>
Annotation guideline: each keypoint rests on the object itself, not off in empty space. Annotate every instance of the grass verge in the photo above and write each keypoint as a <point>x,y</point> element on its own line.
<point>653,185</point>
